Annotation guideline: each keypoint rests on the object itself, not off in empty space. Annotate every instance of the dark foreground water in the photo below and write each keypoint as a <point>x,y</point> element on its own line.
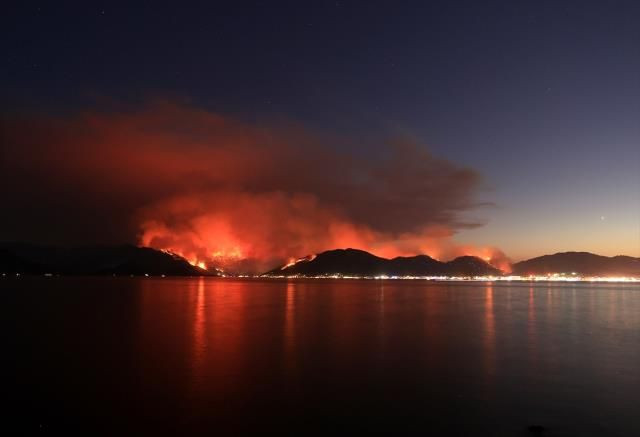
<point>231,356</point>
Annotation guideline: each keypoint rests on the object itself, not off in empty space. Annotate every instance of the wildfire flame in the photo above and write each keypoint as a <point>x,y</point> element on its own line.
<point>293,261</point>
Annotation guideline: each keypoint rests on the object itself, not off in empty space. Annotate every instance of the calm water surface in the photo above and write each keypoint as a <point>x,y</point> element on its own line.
<point>302,356</point>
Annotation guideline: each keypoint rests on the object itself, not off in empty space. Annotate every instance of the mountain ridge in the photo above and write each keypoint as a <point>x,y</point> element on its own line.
<point>356,262</point>
<point>36,259</point>
<point>583,263</point>
<point>33,259</point>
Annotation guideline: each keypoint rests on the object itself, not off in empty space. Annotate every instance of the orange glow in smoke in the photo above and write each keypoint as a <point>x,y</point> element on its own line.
<point>223,193</point>
<point>245,233</point>
<point>212,242</point>
<point>491,255</point>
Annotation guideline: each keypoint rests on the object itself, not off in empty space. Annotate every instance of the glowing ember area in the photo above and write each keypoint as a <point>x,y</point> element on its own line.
<point>234,253</point>
<point>238,245</point>
<point>249,233</point>
<point>293,261</point>
<point>492,255</point>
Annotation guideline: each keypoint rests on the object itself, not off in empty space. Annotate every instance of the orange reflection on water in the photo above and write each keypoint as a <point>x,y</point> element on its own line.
<point>290,355</point>
<point>199,333</point>
<point>381,338</point>
<point>344,333</point>
<point>218,344</point>
<point>490,333</point>
<point>433,299</point>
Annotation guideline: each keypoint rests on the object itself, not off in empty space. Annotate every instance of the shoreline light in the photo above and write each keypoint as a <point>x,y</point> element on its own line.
<point>510,278</point>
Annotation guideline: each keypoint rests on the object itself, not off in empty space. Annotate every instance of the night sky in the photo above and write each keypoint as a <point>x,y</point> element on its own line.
<point>533,108</point>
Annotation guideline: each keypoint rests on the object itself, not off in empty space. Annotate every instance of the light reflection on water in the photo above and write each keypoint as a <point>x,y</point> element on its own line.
<point>211,354</point>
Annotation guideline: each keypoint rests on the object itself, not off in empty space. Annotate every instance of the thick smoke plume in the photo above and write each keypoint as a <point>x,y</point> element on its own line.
<point>227,193</point>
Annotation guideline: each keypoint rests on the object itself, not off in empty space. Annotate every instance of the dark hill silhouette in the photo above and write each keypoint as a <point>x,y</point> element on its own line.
<point>345,261</point>
<point>354,262</point>
<point>582,263</point>
<point>12,263</point>
<point>92,260</point>
<point>413,265</point>
<point>470,266</point>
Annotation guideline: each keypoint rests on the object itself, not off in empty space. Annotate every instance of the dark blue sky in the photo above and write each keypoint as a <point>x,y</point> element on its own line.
<point>543,98</point>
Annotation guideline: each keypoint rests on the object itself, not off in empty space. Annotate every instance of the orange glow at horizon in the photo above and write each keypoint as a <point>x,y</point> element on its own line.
<point>225,239</point>
<point>212,254</point>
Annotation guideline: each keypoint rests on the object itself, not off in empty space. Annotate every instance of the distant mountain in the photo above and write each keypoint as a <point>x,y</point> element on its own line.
<point>353,262</point>
<point>92,260</point>
<point>582,263</point>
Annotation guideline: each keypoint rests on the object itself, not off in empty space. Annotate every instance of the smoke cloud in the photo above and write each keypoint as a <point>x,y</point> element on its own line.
<point>224,192</point>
